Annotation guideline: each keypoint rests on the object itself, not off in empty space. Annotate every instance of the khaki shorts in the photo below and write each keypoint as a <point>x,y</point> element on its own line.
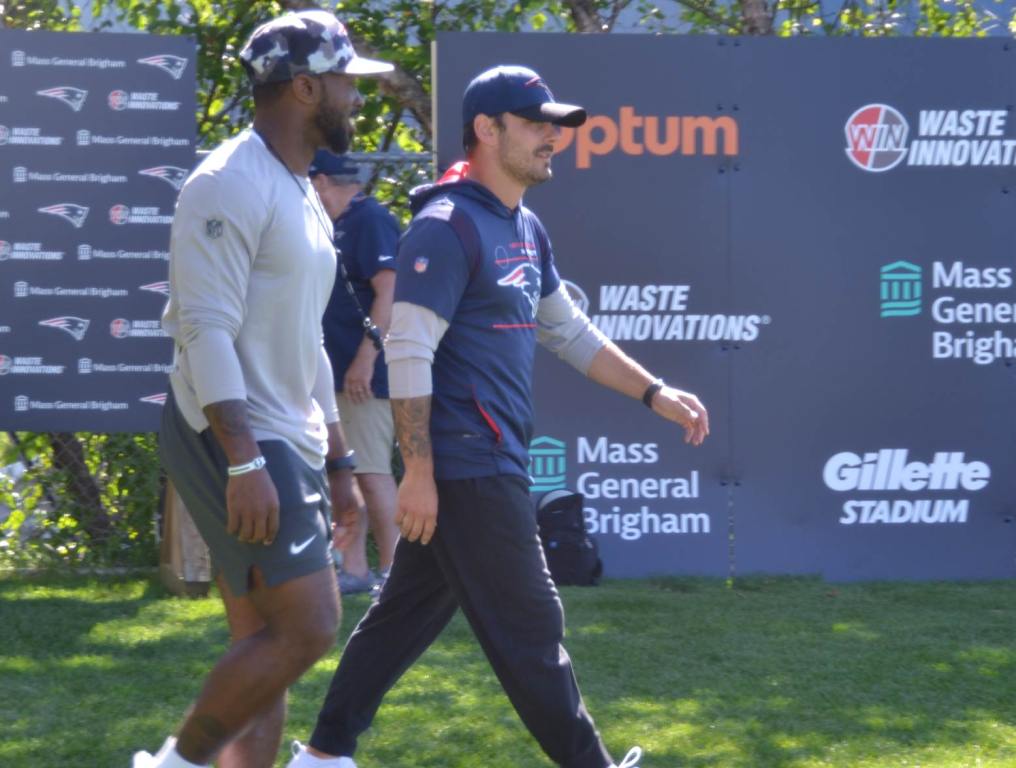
<point>370,432</point>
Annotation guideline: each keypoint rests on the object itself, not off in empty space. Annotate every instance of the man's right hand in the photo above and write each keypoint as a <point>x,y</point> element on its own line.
<point>416,511</point>
<point>252,507</point>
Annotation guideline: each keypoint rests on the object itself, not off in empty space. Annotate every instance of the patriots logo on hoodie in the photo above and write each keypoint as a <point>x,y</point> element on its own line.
<point>519,278</point>
<point>170,174</point>
<point>72,97</point>
<point>75,326</point>
<point>75,214</point>
<point>171,65</point>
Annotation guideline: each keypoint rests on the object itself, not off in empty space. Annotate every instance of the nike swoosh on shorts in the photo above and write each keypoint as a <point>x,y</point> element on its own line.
<point>295,549</point>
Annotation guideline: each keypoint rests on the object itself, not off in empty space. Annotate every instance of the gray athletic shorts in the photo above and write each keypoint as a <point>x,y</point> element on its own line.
<point>197,466</point>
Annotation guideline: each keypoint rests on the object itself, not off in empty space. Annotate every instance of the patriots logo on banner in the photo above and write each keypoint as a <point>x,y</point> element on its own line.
<point>171,65</point>
<point>160,287</point>
<point>75,326</point>
<point>75,214</point>
<point>72,97</point>
<point>156,399</point>
<point>170,174</point>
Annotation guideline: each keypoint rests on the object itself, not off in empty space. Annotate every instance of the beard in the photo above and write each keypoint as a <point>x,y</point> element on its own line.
<point>336,128</point>
<point>526,168</point>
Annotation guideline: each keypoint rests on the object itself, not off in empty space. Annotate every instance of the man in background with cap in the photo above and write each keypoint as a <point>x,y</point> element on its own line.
<point>357,317</point>
<point>251,412</point>
<point>475,288</point>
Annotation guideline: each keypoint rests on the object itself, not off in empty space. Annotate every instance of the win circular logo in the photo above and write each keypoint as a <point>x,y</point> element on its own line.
<point>117,100</point>
<point>5,134</point>
<point>876,138</point>
<point>120,328</point>
<point>5,365</point>
<point>119,214</point>
<point>5,250</point>
<point>577,295</point>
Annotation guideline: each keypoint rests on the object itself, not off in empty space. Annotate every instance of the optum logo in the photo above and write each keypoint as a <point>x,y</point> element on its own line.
<point>900,290</point>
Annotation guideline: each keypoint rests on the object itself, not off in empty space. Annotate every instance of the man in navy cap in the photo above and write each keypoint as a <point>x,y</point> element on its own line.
<point>250,425</point>
<point>476,288</point>
<point>357,317</point>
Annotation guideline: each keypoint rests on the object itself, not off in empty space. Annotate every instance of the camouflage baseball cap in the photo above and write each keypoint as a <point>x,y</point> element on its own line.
<point>307,42</point>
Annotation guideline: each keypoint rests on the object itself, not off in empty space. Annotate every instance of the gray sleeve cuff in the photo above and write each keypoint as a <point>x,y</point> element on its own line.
<point>566,331</point>
<point>414,332</point>
<point>409,377</point>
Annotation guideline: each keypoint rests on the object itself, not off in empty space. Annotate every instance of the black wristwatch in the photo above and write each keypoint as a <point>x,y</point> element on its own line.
<point>650,393</point>
<point>342,462</point>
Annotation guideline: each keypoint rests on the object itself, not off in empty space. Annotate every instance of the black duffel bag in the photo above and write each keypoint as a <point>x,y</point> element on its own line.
<point>572,556</point>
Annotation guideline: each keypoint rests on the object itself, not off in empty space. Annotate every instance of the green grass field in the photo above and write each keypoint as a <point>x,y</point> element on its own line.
<point>774,673</point>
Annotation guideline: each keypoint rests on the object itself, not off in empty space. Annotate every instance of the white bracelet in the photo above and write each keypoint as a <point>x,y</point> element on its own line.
<point>251,466</point>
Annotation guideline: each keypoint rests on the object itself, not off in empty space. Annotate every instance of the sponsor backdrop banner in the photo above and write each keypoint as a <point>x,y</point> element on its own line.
<point>814,235</point>
<point>96,137</point>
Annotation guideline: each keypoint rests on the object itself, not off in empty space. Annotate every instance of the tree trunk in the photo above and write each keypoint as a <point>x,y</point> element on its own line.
<point>69,458</point>
<point>757,17</point>
<point>585,16</point>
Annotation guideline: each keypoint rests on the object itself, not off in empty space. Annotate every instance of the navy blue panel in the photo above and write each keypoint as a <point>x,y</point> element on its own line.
<point>849,369</point>
<point>97,135</point>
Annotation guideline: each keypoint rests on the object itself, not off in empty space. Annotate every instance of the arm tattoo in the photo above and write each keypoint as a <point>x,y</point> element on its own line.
<point>412,425</point>
<point>231,428</point>
<point>228,418</point>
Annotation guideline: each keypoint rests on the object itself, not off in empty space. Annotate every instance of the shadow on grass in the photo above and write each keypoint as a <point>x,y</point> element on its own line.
<point>763,673</point>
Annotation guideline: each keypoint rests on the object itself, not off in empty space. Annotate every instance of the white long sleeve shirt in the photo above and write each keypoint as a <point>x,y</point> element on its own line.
<point>251,269</point>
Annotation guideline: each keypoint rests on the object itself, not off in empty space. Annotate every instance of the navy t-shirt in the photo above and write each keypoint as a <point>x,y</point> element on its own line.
<point>485,275</point>
<point>368,235</point>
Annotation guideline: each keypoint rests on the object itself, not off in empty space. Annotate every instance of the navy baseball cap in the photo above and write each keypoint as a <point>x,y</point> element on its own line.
<point>518,90</point>
<point>307,42</point>
<point>329,164</point>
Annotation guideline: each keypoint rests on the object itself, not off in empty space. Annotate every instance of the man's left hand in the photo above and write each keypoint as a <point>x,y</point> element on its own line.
<point>685,409</point>
<point>345,507</point>
<point>356,382</point>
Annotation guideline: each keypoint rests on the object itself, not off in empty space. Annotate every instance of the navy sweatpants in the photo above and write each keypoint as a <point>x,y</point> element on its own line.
<point>485,558</point>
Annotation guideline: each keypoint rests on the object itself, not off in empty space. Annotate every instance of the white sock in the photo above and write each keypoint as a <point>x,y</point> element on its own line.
<point>168,757</point>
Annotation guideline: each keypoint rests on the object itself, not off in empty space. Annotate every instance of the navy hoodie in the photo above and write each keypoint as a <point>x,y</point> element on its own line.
<point>483,267</point>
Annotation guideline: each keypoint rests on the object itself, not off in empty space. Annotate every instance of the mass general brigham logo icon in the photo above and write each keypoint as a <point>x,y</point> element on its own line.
<point>900,290</point>
<point>548,463</point>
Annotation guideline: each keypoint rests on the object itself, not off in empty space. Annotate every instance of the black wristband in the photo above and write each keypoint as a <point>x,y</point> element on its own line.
<point>342,462</point>
<point>650,393</point>
<point>374,334</point>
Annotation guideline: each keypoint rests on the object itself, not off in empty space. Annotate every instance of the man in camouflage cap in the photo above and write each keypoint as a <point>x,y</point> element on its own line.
<point>305,43</point>
<point>250,434</point>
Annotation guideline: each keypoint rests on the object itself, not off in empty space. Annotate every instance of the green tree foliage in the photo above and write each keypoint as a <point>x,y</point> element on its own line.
<point>89,498</point>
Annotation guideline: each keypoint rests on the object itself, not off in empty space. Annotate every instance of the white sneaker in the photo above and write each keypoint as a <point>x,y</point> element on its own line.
<point>303,759</point>
<point>143,760</point>
<point>633,756</point>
